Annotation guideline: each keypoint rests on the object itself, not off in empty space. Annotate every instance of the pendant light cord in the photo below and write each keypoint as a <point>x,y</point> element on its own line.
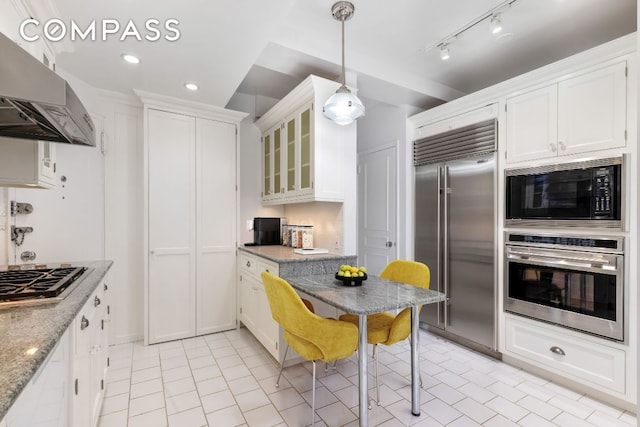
<point>344,77</point>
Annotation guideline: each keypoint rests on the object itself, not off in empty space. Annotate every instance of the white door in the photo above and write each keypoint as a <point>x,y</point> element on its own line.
<point>377,213</point>
<point>216,226</point>
<point>172,258</point>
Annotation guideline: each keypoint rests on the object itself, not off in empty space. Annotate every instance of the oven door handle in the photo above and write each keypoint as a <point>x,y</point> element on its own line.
<point>562,260</point>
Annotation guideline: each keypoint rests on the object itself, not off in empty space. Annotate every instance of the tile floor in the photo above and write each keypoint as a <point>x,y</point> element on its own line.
<point>227,379</point>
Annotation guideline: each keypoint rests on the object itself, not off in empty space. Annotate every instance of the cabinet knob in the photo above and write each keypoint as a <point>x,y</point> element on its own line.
<point>557,350</point>
<point>84,323</point>
<point>96,301</point>
<point>562,145</point>
<point>249,264</point>
<point>553,148</point>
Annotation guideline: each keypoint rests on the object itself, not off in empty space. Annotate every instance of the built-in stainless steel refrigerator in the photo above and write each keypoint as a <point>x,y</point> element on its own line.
<point>455,236</point>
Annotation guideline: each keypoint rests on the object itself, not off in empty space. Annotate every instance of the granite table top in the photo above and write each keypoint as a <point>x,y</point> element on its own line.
<point>373,296</point>
<point>284,254</point>
<point>38,326</point>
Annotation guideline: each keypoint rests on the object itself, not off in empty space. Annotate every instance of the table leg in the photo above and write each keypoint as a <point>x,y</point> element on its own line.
<point>362,370</point>
<point>415,362</point>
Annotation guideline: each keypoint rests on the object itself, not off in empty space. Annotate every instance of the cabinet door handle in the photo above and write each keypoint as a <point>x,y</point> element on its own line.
<point>562,145</point>
<point>84,323</point>
<point>557,350</point>
<point>553,148</point>
<point>96,301</point>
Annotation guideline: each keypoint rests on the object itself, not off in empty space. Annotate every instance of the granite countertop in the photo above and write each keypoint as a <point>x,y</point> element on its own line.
<point>284,254</point>
<point>373,296</point>
<point>38,326</point>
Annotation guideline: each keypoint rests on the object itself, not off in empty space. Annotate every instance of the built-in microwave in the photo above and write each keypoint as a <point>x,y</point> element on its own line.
<point>579,194</point>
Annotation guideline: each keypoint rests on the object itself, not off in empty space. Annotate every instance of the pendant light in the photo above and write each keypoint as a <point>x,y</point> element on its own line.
<point>343,107</point>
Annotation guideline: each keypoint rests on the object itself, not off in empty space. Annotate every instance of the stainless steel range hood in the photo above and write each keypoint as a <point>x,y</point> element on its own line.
<point>36,103</point>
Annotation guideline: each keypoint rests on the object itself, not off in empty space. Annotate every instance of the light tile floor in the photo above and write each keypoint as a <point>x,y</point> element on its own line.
<point>227,379</point>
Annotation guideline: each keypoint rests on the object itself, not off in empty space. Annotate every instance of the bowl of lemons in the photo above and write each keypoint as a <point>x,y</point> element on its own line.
<point>350,275</point>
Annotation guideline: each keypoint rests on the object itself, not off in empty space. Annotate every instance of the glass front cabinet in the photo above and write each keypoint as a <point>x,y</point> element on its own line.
<point>304,155</point>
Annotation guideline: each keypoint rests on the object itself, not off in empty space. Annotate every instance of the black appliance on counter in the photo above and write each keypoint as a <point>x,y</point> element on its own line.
<point>266,231</point>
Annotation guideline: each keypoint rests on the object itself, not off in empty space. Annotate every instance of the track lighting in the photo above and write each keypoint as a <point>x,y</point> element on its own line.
<point>496,24</point>
<point>493,16</point>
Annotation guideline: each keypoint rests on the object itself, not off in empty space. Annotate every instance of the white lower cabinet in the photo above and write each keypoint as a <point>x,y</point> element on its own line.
<point>89,334</point>
<point>44,401</point>
<point>581,359</point>
<point>255,312</point>
<point>68,389</point>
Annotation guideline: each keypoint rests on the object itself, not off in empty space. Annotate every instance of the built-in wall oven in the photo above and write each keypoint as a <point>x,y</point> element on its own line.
<point>572,281</point>
<point>576,194</point>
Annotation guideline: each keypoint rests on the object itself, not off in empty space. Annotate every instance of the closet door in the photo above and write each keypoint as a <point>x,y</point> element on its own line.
<point>216,226</point>
<point>172,227</point>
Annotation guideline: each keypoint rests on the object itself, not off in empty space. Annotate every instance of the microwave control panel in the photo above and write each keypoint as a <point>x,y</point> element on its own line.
<point>603,192</point>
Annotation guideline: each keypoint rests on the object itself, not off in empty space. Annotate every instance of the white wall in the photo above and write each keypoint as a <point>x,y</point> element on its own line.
<point>382,126</point>
<point>123,123</point>
<point>249,181</point>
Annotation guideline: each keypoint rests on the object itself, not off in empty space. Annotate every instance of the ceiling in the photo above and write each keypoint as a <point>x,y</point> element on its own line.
<point>265,48</point>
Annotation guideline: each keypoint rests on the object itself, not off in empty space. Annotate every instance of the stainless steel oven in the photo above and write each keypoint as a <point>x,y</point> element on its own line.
<point>571,281</point>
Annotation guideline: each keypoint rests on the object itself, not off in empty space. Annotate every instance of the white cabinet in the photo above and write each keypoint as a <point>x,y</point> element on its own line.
<point>89,332</point>
<point>25,163</point>
<point>255,312</point>
<point>581,114</point>
<point>569,355</point>
<point>272,154</point>
<point>44,401</point>
<point>191,223</point>
<point>303,153</point>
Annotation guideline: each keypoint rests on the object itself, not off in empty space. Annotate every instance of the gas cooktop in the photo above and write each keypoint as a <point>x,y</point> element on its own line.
<point>37,284</point>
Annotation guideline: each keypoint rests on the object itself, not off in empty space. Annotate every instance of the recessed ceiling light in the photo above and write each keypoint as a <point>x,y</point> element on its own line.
<point>191,86</point>
<point>130,58</point>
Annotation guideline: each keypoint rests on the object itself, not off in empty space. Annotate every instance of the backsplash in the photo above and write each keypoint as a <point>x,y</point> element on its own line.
<point>326,218</point>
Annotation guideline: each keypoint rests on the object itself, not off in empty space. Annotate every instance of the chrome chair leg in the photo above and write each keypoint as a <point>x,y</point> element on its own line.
<point>282,365</point>
<point>375,356</point>
<point>313,395</point>
<point>420,374</point>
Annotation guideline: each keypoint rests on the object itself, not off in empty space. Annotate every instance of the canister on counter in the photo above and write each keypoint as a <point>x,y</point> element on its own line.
<point>295,243</point>
<point>307,236</point>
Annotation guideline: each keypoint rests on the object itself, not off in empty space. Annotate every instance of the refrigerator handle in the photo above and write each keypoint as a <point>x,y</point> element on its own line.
<point>440,278</point>
<point>445,242</point>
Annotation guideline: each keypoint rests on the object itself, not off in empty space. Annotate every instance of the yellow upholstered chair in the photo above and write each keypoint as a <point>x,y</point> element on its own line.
<point>386,328</point>
<point>311,336</point>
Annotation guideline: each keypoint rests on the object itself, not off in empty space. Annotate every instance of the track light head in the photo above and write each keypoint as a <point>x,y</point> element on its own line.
<point>444,52</point>
<point>496,24</point>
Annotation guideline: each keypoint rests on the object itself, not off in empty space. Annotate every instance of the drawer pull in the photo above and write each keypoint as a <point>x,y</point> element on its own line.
<point>84,323</point>
<point>557,350</point>
<point>106,288</point>
<point>96,302</point>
